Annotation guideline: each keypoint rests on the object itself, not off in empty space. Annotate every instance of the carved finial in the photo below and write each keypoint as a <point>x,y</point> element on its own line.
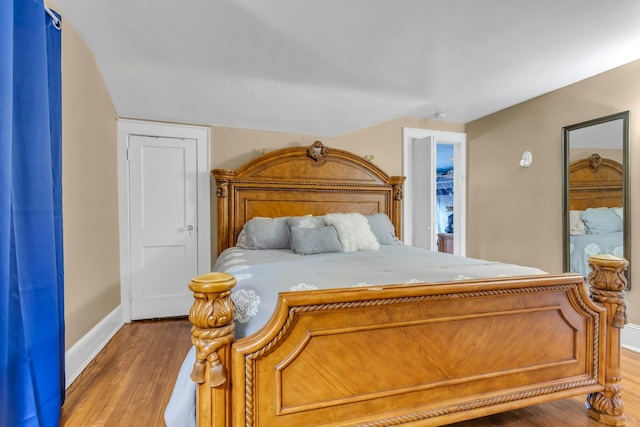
<point>397,192</point>
<point>608,282</point>
<point>607,288</point>
<point>211,315</point>
<point>222,190</point>
<point>318,152</point>
<point>595,161</point>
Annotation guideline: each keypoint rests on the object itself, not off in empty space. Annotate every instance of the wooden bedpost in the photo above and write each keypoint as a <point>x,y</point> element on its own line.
<point>222,177</point>
<point>396,204</point>
<point>608,282</point>
<point>212,333</point>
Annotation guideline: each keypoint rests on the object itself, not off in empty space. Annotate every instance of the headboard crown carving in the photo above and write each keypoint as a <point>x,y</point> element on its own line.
<point>595,161</point>
<point>318,152</point>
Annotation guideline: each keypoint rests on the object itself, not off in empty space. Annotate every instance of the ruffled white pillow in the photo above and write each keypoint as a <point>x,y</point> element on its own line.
<point>353,231</point>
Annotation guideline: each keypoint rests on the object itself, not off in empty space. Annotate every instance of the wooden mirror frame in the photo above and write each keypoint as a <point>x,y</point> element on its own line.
<point>626,192</point>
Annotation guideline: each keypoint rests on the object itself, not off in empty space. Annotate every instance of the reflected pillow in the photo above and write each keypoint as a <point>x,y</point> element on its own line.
<point>619,212</point>
<point>576,225</point>
<point>599,221</point>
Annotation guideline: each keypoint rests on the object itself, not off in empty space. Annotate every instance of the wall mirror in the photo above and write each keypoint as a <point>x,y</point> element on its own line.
<point>596,204</point>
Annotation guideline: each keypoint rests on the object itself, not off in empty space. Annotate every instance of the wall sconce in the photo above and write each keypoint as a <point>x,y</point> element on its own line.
<point>526,160</point>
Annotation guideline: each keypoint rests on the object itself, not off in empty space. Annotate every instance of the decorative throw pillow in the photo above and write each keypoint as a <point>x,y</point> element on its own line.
<point>306,221</point>
<point>267,233</point>
<point>353,231</point>
<point>241,242</point>
<point>576,225</point>
<point>598,221</point>
<point>319,240</point>
<point>383,229</point>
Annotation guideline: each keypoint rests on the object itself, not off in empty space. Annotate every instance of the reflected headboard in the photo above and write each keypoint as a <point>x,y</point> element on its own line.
<point>303,180</point>
<point>595,182</point>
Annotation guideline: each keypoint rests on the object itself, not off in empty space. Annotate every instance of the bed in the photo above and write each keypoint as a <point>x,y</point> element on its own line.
<point>429,351</point>
<point>595,215</point>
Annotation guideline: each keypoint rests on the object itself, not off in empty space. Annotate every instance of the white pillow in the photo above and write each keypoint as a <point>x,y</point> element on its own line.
<point>242,239</point>
<point>576,224</point>
<point>353,231</point>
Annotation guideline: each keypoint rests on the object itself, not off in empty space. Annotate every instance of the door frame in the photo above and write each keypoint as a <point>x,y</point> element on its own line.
<point>127,127</point>
<point>459,141</point>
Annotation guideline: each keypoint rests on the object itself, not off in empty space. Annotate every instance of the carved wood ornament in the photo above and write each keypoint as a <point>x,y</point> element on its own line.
<point>223,188</point>
<point>607,288</point>
<point>595,161</point>
<point>318,152</point>
<point>397,192</point>
<point>212,318</point>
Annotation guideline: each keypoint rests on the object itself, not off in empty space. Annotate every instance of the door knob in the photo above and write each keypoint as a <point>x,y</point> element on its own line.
<point>189,227</point>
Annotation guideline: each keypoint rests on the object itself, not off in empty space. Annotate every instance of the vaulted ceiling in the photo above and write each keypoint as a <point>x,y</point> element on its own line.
<point>325,67</point>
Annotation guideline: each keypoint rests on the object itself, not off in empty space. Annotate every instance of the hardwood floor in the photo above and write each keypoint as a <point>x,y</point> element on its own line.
<point>130,381</point>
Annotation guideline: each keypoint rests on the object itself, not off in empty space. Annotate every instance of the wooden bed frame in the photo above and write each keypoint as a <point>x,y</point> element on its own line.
<point>419,354</point>
<point>595,182</point>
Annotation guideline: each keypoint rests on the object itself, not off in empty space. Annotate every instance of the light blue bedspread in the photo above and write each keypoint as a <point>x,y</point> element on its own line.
<point>262,274</point>
<point>582,246</point>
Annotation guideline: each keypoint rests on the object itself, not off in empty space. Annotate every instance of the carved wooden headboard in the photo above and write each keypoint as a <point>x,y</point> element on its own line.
<point>595,182</point>
<point>303,180</point>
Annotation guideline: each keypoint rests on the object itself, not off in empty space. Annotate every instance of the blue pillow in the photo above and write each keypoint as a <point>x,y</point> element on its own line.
<point>603,220</point>
<point>267,233</point>
<point>381,227</point>
<point>309,241</point>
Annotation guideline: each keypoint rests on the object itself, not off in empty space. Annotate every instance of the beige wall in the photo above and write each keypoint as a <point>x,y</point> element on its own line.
<point>90,193</point>
<point>232,147</point>
<point>511,207</point>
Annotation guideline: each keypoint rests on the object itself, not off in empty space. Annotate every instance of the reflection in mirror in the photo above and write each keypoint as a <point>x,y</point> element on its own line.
<point>596,205</point>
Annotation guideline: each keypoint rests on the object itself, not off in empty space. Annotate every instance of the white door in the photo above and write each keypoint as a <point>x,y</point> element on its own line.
<point>423,174</point>
<point>414,203</point>
<point>163,201</point>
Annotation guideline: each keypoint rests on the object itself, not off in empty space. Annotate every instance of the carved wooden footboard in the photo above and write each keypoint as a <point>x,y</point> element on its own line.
<point>412,354</point>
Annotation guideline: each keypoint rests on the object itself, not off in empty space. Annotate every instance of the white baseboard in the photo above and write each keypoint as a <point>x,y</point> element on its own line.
<point>630,337</point>
<point>87,348</point>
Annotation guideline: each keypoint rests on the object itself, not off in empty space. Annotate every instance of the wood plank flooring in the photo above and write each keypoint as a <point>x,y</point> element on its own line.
<point>130,381</point>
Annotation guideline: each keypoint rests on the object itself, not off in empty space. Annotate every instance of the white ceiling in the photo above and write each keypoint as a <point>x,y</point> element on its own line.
<point>325,67</point>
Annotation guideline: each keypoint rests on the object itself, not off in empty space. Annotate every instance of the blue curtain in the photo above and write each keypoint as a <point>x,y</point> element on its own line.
<point>31,263</point>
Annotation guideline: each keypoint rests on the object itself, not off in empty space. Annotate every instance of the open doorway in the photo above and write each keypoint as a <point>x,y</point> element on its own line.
<point>434,205</point>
